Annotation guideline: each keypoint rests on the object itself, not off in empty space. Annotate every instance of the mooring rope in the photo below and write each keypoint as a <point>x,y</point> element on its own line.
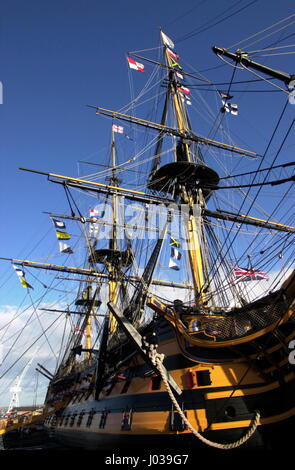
<point>157,360</point>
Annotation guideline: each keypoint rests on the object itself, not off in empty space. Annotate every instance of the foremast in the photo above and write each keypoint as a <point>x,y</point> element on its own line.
<point>113,281</point>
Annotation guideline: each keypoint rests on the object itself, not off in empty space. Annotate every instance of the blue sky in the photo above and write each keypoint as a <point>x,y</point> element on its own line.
<point>58,56</point>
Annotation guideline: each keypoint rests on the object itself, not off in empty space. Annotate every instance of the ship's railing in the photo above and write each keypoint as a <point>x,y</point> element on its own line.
<point>227,328</point>
<point>238,323</point>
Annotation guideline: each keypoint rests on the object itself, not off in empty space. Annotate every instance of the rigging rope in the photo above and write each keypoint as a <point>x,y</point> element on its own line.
<point>217,265</point>
<point>274,32</point>
<point>157,360</point>
<point>29,347</point>
<point>283,165</point>
<point>265,79</point>
<point>194,33</point>
<point>5,388</point>
<point>262,31</point>
<point>40,323</point>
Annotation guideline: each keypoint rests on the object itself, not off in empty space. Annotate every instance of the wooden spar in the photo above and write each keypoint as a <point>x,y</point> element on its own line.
<point>121,191</point>
<point>69,312</point>
<point>54,267</point>
<point>219,214</point>
<point>173,131</point>
<point>43,373</point>
<point>243,59</point>
<point>89,272</point>
<point>104,188</point>
<point>155,282</point>
<point>165,66</point>
<point>248,220</point>
<point>46,370</point>
<point>137,340</point>
<point>100,221</point>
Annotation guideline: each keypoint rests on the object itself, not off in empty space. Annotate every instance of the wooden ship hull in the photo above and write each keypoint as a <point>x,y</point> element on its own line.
<point>222,390</point>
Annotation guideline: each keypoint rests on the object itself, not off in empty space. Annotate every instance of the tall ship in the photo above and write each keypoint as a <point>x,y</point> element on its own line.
<point>181,332</point>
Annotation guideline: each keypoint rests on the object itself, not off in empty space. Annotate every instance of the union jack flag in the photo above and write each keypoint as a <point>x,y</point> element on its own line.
<point>249,274</point>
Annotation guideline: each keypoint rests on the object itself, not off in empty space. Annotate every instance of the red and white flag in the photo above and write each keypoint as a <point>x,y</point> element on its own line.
<point>135,65</point>
<point>185,90</point>
<point>172,54</point>
<point>93,213</point>
<point>119,129</point>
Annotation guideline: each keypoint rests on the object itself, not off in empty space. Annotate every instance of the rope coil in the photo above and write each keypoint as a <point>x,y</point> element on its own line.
<point>157,360</point>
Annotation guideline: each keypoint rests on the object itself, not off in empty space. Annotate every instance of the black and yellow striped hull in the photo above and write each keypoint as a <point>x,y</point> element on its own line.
<point>220,396</point>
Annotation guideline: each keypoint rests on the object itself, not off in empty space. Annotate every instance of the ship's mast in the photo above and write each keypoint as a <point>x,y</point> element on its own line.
<point>88,329</point>
<point>190,197</point>
<point>110,323</point>
<point>113,284</point>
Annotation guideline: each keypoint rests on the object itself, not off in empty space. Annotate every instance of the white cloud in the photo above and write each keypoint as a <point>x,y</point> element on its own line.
<point>22,339</point>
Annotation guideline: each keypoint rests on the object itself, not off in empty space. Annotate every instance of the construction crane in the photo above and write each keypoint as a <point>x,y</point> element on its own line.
<point>16,389</point>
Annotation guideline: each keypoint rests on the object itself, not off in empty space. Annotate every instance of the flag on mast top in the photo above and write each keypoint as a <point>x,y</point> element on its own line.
<point>167,41</point>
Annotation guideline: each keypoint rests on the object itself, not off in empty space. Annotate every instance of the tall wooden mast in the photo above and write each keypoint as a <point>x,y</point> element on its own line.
<point>190,196</point>
<point>113,282</point>
<point>88,329</point>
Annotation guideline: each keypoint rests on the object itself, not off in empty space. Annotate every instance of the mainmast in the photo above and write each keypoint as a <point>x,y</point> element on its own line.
<point>184,177</point>
<point>193,231</point>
